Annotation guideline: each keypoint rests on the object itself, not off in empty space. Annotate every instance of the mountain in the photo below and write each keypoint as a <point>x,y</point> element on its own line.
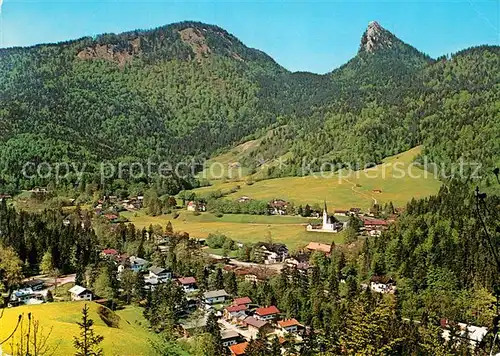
<point>385,68</point>
<point>174,93</point>
<point>185,91</point>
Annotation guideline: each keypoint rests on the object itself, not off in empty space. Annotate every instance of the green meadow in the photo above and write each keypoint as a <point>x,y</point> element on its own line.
<point>290,230</point>
<point>130,338</point>
<point>397,179</point>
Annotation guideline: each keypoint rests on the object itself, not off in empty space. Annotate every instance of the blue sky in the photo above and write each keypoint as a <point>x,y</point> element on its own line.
<point>316,36</point>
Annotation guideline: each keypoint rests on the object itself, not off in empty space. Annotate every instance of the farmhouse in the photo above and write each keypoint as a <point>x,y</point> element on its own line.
<point>267,314</point>
<point>374,227</point>
<point>195,206</point>
<point>246,301</point>
<point>271,253</point>
<point>80,293</point>
<point>158,275</point>
<point>136,264</point>
<point>278,207</point>
<point>109,253</point>
<point>188,284</point>
<point>255,326</point>
<point>193,326</point>
<point>26,296</point>
<point>299,261</point>
<point>355,211</point>
<point>316,246</point>
<point>215,296</point>
<point>340,212</point>
<point>233,311</point>
<point>112,218</point>
<point>288,326</point>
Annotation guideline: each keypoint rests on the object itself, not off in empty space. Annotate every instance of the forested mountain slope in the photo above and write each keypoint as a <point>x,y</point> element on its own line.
<point>173,93</point>
<point>188,90</point>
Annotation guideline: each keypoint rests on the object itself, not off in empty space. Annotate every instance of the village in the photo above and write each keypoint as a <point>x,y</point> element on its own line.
<point>240,319</point>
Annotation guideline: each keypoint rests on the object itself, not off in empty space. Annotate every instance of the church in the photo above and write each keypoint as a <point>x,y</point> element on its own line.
<point>330,223</point>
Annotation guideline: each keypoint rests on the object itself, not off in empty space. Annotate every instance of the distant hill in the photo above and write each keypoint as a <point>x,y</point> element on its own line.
<point>189,90</point>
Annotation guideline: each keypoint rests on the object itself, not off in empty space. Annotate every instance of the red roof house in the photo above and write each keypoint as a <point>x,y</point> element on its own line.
<point>236,308</point>
<point>238,349</point>
<point>110,252</point>
<point>242,301</point>
<point>289,326</point>
<point>187,280</point>
<point>267,313</point>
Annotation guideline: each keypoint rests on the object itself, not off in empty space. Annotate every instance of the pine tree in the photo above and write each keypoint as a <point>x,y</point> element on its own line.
<point>213,329</point>
<point>219,279</point>
<point>230,283</point>
<point>88,343</point>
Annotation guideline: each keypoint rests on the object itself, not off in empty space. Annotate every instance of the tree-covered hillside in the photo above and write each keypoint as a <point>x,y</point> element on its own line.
<point>188,90</point>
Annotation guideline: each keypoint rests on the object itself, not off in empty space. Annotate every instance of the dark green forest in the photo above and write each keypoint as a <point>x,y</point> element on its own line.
<point>186,91</point>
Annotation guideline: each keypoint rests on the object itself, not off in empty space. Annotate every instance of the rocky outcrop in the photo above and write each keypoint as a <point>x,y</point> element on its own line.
<point>375,37</point>
<point>120,54</point>
<point>196,40</point>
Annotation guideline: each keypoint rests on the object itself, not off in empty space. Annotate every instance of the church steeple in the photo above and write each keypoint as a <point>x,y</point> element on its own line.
<point>325,216</point>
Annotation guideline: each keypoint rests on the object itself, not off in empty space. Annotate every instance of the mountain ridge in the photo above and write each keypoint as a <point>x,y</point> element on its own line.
<point>187,90</point>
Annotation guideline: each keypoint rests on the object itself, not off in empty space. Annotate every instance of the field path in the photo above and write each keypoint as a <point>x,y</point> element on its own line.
<point>358,192</point>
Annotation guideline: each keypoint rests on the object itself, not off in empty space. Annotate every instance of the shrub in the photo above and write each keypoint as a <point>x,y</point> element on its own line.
<point>108,317</point>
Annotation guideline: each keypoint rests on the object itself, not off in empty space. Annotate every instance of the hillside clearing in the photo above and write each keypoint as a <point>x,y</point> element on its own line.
<point>239,227</point>
<point>130,338</point>
<point>345,189</point>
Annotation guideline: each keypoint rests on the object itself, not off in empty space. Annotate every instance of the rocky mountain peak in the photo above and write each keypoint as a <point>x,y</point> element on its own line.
<point>375,37</point>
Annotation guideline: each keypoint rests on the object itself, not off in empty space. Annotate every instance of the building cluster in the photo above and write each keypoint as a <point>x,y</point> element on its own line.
<point>31,292</point>
<point>110,207</point>
<point>241,320</point>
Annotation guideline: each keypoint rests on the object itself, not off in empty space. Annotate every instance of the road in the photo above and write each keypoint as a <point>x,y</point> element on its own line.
<point>49,281</point>
<point>276,266</point>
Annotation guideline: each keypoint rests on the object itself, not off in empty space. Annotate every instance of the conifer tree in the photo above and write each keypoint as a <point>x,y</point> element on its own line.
<point>87,344</point>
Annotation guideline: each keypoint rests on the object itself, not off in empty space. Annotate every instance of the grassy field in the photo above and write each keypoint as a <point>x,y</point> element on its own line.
<point>243,228</point>
<point>345,189</point>
<point>130,338</point>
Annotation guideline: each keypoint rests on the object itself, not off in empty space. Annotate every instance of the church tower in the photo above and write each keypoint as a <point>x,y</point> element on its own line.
<point>325,217</point>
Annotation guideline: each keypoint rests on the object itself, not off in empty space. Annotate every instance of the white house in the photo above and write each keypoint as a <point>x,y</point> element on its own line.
<point>215,296</point>
<point>137,264</point>
<point>188,284</point>
<point>160,274</point>
<point>80,293</point>
<point>468,333</point>
<point>384,288</point>
<point>26,296</point>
